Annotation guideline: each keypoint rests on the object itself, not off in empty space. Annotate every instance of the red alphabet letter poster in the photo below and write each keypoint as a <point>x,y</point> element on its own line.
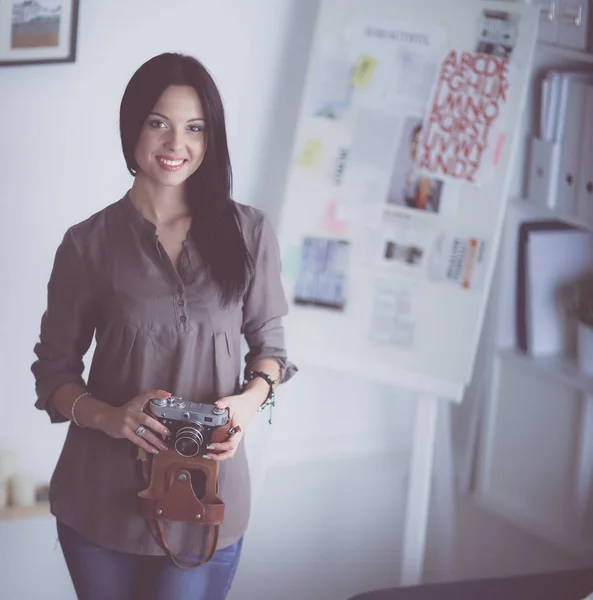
<point>459,137</point>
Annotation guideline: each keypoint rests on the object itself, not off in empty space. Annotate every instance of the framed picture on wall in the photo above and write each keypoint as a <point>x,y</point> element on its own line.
<point>34,32</point>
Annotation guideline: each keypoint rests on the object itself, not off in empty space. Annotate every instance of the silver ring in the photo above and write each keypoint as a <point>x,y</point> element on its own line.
<point>140,430</point>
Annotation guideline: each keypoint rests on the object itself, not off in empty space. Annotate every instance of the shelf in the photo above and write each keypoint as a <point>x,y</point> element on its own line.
<point>569,53</point>
<point>537,211</point>
<point>12,513</point>
<point>558,368</point>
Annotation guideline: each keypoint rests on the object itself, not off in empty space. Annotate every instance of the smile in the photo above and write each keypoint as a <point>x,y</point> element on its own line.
<point>171,165</point>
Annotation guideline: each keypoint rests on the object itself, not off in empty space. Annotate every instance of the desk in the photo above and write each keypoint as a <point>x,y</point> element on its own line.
<point>561,585</point>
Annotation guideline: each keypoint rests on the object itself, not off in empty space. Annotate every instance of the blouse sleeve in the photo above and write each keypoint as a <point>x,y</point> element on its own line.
<point>265,305</point>
<point>67,327</point>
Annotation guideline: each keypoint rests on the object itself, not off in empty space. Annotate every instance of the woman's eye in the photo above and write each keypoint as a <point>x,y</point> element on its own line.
<point>195,128</point>
<point>157,124</point>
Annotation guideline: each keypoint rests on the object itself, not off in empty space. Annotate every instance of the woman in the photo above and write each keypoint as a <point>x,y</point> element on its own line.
<point>167,278</point>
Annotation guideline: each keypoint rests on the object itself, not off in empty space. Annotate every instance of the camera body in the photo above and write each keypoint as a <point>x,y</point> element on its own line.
<point>191,424</point>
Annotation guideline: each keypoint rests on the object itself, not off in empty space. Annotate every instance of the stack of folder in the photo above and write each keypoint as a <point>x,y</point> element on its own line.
<point>551,254</point>
<point>561,162</point>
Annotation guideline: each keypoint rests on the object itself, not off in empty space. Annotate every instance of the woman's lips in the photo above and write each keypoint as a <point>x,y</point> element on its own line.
<point>171,164</point>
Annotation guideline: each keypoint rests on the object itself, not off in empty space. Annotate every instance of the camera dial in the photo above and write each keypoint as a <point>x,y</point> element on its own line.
<point>159,401</point>
<point>177,402</point>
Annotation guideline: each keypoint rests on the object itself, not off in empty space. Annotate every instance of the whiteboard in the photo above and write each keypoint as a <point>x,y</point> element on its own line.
<point>398,185</point>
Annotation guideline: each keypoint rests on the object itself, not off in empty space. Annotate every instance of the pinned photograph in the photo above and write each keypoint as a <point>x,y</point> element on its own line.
<point>459,261</point>
<point>498,35</point>
<point>402,253</point>
<point>399,244</point>
<point>323,273</point>
<point>408,187</point>
<point>37,31</point>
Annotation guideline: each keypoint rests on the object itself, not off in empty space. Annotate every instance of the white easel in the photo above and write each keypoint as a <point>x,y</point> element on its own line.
<point>439,372</point>
<point>432,425</point>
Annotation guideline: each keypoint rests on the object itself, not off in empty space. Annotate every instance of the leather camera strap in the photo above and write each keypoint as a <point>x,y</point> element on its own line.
<point>161,538</point>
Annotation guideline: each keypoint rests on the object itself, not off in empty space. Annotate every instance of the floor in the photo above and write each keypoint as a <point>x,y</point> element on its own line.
<point>324,532</point>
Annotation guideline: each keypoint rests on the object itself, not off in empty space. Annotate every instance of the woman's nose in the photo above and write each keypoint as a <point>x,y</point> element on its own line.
<point>174,140</point>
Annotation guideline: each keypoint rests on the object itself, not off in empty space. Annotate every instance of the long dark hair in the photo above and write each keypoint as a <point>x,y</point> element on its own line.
<point>215,227</point>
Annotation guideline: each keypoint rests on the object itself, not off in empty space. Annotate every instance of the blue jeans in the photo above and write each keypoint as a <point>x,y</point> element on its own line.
<point>101,574</point>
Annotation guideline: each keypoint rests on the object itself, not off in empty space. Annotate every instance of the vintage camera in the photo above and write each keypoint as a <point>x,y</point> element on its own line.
<point>191,424</point>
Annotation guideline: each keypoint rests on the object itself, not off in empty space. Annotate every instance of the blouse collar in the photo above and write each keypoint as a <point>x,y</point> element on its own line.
<point>138,221</point>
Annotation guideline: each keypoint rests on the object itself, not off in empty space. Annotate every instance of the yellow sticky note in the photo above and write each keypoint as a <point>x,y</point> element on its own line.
<point>310,154</point>
<point>364,71</point>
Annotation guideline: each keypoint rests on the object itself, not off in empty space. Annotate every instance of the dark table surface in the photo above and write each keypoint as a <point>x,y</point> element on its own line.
<point>561,585</point>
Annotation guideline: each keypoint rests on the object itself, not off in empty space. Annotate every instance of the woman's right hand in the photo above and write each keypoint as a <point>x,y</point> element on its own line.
<point>123,421</point>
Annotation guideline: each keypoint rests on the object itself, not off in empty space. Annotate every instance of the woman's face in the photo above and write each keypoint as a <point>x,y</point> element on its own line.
<point>172,142</point>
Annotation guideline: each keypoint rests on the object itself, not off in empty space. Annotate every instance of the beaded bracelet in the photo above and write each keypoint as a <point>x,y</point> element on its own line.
<point>74,404</point>
<point>271,398</point>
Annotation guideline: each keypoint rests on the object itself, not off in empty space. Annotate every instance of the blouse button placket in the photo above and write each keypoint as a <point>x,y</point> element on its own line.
<point>181,310</point>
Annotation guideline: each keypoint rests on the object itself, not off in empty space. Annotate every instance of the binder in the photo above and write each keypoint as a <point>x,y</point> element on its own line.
<point>569,127</point>
<point>544,166</point>
<point>555,162</point>
<point>551,253</point>
<point>585,180</point>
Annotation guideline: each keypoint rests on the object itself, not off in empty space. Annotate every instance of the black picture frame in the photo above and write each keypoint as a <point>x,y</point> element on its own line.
<point>38,32</point>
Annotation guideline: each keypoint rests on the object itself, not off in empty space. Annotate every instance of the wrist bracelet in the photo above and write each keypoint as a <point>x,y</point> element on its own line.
<point>74,404</point>
<point>271,397</point>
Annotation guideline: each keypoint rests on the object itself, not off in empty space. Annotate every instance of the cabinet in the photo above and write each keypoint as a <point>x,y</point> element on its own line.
<point>565,22</point>
<point>534,459</point>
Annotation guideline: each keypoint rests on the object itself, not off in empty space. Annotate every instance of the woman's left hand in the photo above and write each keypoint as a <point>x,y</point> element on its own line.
<point>241,409</point>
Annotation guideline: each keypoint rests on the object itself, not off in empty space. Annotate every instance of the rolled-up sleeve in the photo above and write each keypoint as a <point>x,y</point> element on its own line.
<point>265,305</point>
<point>67,327</point>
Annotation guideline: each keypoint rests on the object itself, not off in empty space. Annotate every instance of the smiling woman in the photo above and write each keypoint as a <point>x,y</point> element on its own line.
<point>167,279</point>
<point>205,191</point>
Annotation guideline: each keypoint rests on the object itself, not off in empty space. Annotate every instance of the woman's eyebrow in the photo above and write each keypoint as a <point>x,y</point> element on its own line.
<point>156,114</point>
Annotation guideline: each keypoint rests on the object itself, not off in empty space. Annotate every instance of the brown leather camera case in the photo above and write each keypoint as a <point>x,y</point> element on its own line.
<point>170,495</point>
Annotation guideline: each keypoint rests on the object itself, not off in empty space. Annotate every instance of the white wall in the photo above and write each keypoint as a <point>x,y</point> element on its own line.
<point>61,158</point>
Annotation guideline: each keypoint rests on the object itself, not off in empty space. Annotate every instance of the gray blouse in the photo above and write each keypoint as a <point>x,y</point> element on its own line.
<point>155,327</point>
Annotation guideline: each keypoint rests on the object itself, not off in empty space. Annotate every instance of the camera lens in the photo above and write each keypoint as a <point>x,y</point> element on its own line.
<point>189,440</point>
